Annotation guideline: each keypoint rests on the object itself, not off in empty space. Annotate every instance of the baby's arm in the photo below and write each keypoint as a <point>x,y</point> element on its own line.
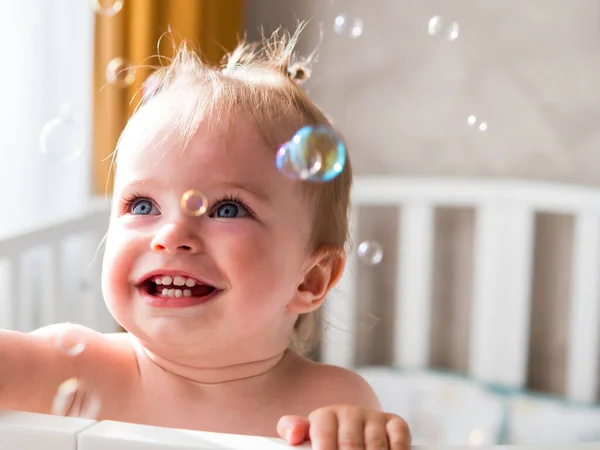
<point>32,367</point>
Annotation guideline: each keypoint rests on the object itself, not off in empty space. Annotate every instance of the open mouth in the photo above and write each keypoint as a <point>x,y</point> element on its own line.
<point>166,286</point>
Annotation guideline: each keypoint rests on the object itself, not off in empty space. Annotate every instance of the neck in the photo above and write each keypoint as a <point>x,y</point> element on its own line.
<point>207,375</point>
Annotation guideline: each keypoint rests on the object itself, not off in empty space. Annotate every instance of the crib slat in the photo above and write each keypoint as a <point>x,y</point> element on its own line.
<point>8,292</point>
<point>50,278</point>
<point>501,294</point>
<point>413,288</point>
<point>582,351</point>
<point>338,345</point>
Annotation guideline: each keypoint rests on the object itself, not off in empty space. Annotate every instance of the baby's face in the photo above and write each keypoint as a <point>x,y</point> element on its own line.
<point>240,263</point>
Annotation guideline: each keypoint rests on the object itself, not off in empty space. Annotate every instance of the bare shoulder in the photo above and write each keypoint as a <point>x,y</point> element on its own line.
<point>331,385</point>
<point>100,356</point>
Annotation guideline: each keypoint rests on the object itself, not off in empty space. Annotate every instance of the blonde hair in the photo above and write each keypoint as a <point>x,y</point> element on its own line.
<point>262,80</point>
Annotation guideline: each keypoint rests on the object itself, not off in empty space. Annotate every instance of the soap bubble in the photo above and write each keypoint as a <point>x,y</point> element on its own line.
<point>342,26</point>
<point>475,122</point>
<point>69,344</point>
<point>314,154</point>
<point>476,437</point>
<point>74,399</point>
<point>61,138</point>
<point>120,73</point>
<point>441,28</point>
<point>108,7</point>
<point>304,164</point>
<point>370,252</point>
<point>194,202</point>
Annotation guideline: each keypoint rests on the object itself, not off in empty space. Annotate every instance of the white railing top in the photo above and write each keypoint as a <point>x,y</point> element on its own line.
<point>93,216</point>
<point>33,431</point>
<point>447,191</point>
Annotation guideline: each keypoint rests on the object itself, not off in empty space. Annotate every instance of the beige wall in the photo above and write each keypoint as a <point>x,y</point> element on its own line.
<point>529,69</point>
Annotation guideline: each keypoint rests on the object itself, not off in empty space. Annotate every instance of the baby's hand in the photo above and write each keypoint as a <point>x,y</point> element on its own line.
<point>346,427</point>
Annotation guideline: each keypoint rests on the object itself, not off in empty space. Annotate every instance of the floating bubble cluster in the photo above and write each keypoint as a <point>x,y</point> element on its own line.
<point>314,154</point>
<point>439,27</point>
<point>475,122</point>
<point>344,26</point>
<point>370,252</point>
<point>120,73</point>
<point>108,7</point>
<point>194,202</point>
<point>62,138</point>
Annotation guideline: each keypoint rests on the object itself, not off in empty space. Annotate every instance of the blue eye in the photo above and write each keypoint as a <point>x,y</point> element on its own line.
<point>141,207</point>
<point>231,210</point>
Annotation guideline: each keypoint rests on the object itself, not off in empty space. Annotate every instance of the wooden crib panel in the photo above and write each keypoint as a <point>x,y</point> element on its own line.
<point>582,350</point>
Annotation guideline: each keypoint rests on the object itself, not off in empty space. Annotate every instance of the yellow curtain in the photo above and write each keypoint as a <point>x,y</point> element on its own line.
<point>210,26</point>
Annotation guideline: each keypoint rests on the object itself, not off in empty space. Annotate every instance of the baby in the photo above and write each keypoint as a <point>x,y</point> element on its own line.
<point>218,307</point>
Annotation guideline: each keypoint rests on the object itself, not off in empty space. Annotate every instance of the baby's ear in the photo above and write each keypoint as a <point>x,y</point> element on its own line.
<point>324,272</point>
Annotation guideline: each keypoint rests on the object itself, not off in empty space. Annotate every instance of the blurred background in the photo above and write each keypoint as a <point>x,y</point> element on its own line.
<point>502,89</point>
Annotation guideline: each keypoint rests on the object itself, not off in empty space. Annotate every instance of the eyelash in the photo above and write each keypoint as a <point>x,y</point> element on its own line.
<point>130,200</point>
<point>232,199</point>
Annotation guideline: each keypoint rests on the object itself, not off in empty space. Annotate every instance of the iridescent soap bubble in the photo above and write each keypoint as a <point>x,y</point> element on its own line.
<point>315,153</point>
<point>68,343</point>
<point>296,162</point>
<point>343,26</point>
<point>108,7</point>
<point>370,252</point>
<point>120,73</point>
<point>74,399</point>
<point>62,138</point>
<point>439,27</point>
<point>194,202</point>
<point>475,122</point>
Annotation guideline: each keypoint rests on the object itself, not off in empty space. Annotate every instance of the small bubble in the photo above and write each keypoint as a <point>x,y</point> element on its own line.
<point>61,138</point>
<point>343,26</point>
<point>108,7</point>
<point>194,202</point>
<point>476,437</point>
<point>441,28</point>
<point>474,122</point>
<point>74,399</point>
<point>370,252</point>
<point>69,344</point>
<point>120,73</point>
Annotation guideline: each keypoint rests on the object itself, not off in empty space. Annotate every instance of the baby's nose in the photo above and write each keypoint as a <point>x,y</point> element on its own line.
<point>174,238</point>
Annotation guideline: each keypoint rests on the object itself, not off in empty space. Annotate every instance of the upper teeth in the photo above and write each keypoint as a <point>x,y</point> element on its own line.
<point>176,280</point>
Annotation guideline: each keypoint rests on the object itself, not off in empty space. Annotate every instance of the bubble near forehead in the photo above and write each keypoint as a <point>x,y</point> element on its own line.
<point>297,163</point>
<point>194,203</point>
<point>120,72</point>
<point>325,142</point>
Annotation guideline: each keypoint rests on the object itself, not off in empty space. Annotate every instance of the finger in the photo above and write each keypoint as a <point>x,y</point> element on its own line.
<point>294,429</point>
<point>322,429</point>
<point>351,430</point>
<point>376,437</point>
<point>398,434</point>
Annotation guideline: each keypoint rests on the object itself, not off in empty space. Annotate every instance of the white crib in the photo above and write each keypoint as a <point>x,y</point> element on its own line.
<point>505,213</point>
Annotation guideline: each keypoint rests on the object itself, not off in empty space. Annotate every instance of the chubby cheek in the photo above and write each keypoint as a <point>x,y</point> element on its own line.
<point>117,264</point>
<point>261,266</point>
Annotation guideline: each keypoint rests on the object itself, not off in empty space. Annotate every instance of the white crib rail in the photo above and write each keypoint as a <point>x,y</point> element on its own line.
<point>26,431</point>
<point>505,212</point>
<point>17,310</point>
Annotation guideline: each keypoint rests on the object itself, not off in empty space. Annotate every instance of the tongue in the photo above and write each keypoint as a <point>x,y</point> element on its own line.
<point>201,290</point>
